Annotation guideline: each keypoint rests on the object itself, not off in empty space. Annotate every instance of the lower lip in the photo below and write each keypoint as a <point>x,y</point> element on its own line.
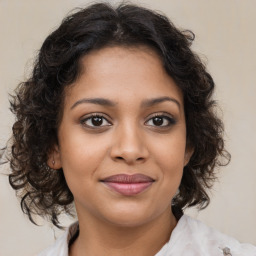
<point>128,189</point>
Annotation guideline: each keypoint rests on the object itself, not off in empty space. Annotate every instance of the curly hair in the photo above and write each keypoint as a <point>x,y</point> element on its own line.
<point>38,103</point>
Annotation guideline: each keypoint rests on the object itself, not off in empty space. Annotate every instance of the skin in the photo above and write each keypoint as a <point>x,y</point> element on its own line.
<point>128,141</point>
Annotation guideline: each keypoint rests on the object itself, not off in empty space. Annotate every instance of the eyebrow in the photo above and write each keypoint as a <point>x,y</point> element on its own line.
<point>154,101</point>
<point>109,103</point>
<point>97,101</point>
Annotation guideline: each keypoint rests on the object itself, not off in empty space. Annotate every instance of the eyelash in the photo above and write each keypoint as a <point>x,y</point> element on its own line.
<point>95,115</point>
<point>171,121</point>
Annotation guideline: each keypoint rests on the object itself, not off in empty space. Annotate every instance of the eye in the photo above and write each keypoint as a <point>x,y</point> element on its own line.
<point>160,120</point>
<point>95,120</point>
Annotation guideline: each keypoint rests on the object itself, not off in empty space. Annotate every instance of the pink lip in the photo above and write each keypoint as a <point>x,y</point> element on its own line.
<point>128,185</point>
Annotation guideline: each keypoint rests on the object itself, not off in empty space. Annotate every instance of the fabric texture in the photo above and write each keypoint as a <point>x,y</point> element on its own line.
<point>189,238</point>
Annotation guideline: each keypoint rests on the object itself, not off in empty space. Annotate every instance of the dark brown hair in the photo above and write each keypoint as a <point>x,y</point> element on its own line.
<point>37,103</point>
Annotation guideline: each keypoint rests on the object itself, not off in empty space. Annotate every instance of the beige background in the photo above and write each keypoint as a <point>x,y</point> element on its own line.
<point>225,33</point>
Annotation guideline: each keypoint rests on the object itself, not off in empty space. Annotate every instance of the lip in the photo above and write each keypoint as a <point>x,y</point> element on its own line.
<point>128,185</point>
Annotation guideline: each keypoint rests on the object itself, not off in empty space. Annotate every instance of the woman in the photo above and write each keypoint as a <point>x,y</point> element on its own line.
<point>118,118</point>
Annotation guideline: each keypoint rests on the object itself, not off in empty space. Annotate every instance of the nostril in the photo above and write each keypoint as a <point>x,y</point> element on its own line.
<point>139,159</point>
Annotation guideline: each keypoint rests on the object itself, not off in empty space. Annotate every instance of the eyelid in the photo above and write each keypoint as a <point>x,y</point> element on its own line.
<point>165,115</point>
<point>92,114</point>
<point>168,116</point>
<point>95,114</point>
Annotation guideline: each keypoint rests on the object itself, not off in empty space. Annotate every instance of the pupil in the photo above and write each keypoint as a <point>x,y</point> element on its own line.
<point>97,121</point>
<point>158,120</point>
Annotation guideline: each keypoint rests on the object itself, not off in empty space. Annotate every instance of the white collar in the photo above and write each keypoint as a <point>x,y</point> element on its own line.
<point>189,237</point>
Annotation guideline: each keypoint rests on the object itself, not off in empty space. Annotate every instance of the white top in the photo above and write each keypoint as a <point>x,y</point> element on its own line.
<point>189,238</point>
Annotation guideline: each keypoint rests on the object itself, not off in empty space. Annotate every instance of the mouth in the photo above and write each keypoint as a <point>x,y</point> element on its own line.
<point>128,185</point>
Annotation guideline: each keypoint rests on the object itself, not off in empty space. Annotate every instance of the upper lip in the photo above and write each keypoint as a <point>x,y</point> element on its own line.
<point>125,178</point>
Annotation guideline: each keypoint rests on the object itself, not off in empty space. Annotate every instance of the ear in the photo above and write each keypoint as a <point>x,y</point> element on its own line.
<point>54,159</point>
<point>188,153</point>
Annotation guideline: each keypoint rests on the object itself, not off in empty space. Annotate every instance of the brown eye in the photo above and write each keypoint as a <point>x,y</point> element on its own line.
<point>95,121</point>
<point>158,121</point>
<point>161,121</point>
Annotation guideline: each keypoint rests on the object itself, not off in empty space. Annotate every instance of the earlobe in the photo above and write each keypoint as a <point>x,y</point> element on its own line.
<point>54,159</point>
<point>188,153</point>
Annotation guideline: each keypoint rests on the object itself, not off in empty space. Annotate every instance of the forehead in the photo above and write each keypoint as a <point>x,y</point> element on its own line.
<point>120,73</point>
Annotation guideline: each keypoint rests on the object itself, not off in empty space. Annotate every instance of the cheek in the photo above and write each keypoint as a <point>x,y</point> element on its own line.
<point>80,155</point>
<point>80,163</point>
<point>169,156</point>
<point>170,151</point>
<point>171,166</point>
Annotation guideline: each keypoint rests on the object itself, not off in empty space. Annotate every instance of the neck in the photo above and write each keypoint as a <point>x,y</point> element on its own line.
<point>98,237</point>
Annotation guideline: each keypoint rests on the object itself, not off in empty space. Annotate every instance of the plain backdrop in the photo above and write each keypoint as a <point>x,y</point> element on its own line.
<point>225,40</point>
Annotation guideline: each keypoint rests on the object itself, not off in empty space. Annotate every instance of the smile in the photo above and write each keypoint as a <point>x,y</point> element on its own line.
<point>128,185</point>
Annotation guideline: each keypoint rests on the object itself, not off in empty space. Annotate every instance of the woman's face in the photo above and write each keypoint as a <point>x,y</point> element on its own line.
<point>122,138</point>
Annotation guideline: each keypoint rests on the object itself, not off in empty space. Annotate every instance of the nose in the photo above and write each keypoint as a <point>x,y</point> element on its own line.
<point>129,145</point>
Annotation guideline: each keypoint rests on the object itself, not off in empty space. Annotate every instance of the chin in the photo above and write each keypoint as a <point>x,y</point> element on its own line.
<point>128,221</point>
<point>130,217</point>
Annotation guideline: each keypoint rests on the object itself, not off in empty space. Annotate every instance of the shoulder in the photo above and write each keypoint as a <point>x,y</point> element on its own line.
<point>193,236</point>
<point>60,247</point>
<point>212,238</point>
